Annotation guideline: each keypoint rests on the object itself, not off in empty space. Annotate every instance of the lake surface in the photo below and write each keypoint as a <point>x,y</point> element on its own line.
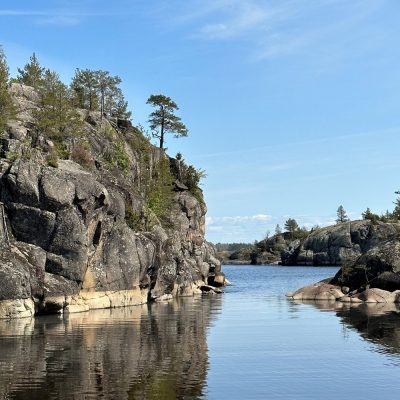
<point>249,343</point>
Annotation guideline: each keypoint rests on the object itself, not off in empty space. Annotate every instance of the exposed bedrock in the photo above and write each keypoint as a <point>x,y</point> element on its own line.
<point>64,246</point>
<point>339,244</point>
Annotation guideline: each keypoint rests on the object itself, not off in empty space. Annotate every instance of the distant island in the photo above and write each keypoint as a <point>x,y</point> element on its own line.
<point>337,244</point>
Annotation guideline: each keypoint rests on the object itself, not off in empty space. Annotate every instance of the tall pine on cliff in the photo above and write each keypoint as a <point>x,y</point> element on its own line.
<point>94,90</point>
<point>341,215</point>
<point>84,89</point>
<point>57,119</point>
<point>7,109</point>
<point>32,73</point>
<point>163,119</point>
<point>291,226</point>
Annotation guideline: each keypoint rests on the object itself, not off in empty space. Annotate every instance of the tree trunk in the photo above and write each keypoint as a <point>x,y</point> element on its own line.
<point>162,130</point>
<point>162,136</point>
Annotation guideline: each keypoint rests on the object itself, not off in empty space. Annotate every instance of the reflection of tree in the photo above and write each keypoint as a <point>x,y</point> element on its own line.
<point>156,351</point>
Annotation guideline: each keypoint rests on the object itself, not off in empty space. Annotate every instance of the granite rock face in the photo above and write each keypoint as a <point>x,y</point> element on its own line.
<point>334,245</point>
<point>64,238</point>
<point>339,244</point>
<point>378,268</point>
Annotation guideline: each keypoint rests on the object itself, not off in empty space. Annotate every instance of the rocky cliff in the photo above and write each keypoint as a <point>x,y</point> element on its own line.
<point>333,245</point>
<point>339,244</point>
<point>79,234</point>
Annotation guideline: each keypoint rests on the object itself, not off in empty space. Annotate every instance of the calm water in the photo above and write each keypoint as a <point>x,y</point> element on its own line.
<point>250,343</point>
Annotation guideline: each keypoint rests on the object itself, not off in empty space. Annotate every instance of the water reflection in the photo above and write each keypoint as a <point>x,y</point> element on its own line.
<point>156,351</point>
<point>378,323</point>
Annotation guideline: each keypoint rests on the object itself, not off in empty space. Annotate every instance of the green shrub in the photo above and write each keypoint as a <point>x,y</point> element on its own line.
<point>159,196</point>
<point>61,149</point>
<point>12,156</point>
<point>142,149</point>
<point>117,156</point>
<point>133,220</point>
<point>121,159</point>
<point>52,159</point>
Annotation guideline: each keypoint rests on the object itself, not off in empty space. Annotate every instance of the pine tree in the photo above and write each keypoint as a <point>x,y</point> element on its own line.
<point>56,118</point>
<point>396,211</point>
<point>341,215</point>
<point>368,214</point>
<point>278,230</point>
<point>94,90</point>
<point>107,87</point>
<point>7,108</point>
<point>32,74</point>
<point>163,120</point>
<point>291,226</point>
<point>84,88</point>
<point>119,106</point>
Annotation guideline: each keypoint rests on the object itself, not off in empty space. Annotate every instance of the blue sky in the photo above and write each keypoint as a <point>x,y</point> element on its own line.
<point>293,106</point>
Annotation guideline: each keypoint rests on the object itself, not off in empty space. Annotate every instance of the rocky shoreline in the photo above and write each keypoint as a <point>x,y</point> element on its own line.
<point>374,277</point>
<point>322,291</point>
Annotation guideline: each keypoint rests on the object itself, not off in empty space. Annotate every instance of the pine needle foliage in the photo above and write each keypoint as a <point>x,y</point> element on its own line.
<point>7,108</point>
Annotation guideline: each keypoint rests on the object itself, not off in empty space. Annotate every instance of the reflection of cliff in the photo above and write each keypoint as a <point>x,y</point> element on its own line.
<point>378,323</point>
<point>155,351</point>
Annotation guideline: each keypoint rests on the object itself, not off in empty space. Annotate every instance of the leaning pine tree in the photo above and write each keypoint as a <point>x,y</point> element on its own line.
<point>163,120</point>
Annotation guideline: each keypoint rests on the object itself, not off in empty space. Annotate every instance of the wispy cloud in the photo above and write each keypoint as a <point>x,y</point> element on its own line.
<point>281,28</point>
<point>237,227</point>
<point>328,139</point>
<point>238,218</point>
<point>59,20</point>
<point>243,17</point>
<point>54,17</point>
